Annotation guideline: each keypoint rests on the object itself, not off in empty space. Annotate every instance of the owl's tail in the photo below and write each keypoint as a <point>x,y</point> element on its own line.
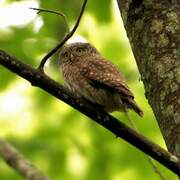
<point>132,105</point>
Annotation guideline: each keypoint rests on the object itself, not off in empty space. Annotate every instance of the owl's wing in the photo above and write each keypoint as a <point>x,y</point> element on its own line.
<point>103,74</point>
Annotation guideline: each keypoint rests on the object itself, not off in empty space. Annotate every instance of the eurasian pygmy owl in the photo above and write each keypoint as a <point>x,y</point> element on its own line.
<point>88,75</point>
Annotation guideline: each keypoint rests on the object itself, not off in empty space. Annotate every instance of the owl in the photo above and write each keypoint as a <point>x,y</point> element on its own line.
<point>88,75</point>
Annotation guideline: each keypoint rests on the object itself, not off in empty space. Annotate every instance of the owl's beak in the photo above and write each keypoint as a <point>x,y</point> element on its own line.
<point>71,56</point>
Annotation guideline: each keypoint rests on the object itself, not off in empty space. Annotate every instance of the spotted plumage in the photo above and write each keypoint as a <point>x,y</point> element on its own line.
<point>88,75</point>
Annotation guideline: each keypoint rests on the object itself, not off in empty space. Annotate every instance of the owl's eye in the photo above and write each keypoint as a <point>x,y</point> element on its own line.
<point>65,54</point>
<point>79,50</point>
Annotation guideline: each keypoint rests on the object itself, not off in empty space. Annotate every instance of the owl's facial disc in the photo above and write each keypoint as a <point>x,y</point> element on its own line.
<point>63,55</point>
<point>79,49</point>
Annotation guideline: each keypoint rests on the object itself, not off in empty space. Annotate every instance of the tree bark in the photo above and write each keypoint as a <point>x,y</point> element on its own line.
<point>153,28</point>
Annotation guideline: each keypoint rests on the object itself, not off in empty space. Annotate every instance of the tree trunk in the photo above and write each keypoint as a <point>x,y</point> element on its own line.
<point>153,28</point>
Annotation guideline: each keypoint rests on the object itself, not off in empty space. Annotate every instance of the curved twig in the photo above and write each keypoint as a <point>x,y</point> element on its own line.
<point>47,56</point>
<point>39,10</point>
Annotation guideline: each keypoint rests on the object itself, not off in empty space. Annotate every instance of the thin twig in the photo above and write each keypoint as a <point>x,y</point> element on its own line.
<point>151,162</point>
<point>119,129</point>
<point>39,10</point>
<point>155,168</point>
<point>67,36</point>
<point>14,159</point>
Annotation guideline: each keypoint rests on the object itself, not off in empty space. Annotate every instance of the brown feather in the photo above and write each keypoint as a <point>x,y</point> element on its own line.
<point>88,75</point>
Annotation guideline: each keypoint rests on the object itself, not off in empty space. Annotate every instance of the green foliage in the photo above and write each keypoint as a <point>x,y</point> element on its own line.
<point>59,140</point>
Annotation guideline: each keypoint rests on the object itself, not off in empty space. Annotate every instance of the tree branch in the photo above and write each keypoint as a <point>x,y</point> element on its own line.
<point>37,78</point>
<point>19,163</point>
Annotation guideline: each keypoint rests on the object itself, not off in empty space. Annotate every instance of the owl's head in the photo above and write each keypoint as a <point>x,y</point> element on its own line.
<point>72,51</point>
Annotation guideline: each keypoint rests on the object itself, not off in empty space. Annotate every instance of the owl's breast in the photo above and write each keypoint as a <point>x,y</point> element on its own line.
<point>72,77</point>
<point>70,73</point>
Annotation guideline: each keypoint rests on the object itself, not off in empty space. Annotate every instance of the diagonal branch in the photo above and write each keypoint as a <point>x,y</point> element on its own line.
<point>37,78</point>
<point>14,159</point>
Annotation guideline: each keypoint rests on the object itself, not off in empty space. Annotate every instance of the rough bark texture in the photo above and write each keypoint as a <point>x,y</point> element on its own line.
<point>153,28</point>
